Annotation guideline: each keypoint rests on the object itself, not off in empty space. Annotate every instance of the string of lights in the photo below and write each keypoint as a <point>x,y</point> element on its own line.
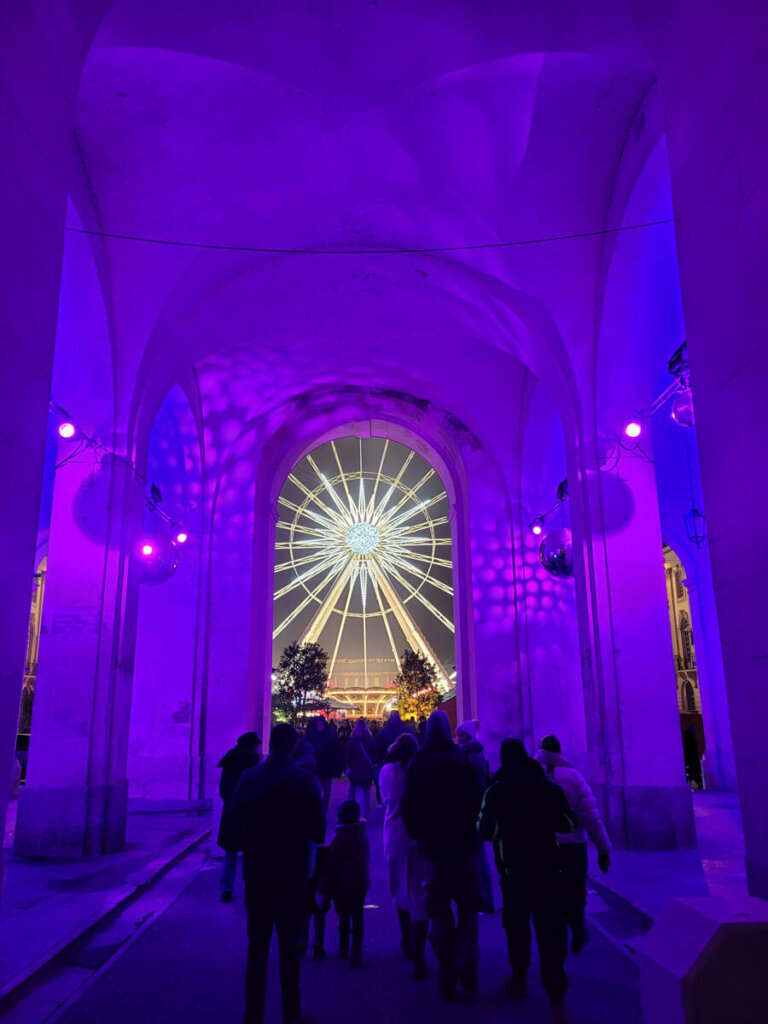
<point>68,430</point>
<point>472,247</point>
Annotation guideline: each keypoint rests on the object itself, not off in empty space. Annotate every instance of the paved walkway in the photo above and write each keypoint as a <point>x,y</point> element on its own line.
<point>189,966</point>
<point>46,903</point>
<point>648,881</point>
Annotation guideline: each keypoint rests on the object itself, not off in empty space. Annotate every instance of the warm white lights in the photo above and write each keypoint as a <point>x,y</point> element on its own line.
<point>633,429</point>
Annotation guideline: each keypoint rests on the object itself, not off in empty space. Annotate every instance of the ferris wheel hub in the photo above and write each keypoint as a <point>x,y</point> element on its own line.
<point>362,538</point>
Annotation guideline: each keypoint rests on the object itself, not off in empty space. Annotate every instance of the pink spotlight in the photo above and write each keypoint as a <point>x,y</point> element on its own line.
<point>147,550</point>
<point>537,528</point>
<point>633,429</point>
<point>67,431</point>
<point>182,537</point>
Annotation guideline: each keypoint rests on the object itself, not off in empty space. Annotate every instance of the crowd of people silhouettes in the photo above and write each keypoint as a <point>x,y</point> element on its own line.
<point>440,806</point>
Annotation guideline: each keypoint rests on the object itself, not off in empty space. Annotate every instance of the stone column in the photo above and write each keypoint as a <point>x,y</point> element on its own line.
<point>633,727</point>
<point>75,799</point>
<point>718,768</point>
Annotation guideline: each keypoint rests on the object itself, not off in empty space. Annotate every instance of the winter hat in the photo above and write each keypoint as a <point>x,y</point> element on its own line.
<point>551,743</point>
<point>349,812</point>
<point>249,739</point>
<point>469,728</point>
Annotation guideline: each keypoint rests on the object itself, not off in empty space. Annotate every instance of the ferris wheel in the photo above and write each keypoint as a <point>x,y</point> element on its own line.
<point>363,553</point>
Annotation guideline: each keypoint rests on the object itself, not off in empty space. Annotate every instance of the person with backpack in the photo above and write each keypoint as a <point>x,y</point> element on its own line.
<point>572,847</point>
<point>522,814</point>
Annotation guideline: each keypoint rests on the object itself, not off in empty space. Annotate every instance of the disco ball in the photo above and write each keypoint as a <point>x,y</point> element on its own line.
<point>556,553</point>
<point>682,409</point>
<point>158,556</point>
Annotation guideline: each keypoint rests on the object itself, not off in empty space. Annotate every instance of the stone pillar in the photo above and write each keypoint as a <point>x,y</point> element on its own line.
<point>715,118</point>
<point>75,799</point>
<point>633,727</point>
<point>718,767</point>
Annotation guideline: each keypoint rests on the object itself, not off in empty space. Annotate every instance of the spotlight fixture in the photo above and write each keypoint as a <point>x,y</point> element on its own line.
<point>537,525</point>
<point>633,429</point>
<point>67,430</point>
<point>181,537</point>
<point>147,550</point>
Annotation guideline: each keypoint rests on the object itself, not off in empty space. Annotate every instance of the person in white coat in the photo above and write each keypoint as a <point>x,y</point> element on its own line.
<point>408,870</point>
<point>572,849</point>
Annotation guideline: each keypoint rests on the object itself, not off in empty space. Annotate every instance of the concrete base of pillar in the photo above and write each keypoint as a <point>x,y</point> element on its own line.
<point>71,821</point>
<point>757,878</point>
<point>648,817</point>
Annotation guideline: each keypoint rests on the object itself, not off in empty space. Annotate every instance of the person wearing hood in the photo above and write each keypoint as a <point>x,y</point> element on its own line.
<point>474,752</point>
<point>572,850</point>
<point>522,814</point>
<point>394,727</point>
<point>237,760</point>
<point>439,805</point>
<point>277,816</point>
<point>345,878</point>
<point>327,749</point>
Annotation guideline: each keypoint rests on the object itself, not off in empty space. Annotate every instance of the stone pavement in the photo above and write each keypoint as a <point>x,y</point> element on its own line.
<point>47,904</point>
<point>188,966</point>
<point>641,884</point>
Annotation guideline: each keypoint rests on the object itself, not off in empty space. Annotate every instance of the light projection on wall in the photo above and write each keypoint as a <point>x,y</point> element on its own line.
<point>363,565</point>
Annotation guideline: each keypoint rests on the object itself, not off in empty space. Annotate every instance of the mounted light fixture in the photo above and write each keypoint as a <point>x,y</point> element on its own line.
<point>67,431</point>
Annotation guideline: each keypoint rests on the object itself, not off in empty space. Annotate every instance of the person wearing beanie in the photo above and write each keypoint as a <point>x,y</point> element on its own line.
<point>572,850</point>
<point>474,753</point>
<point>345,879</point>
<point>277,814</point>
<point>440,803</point>
<point>522,814</point>
<point>237,760</point>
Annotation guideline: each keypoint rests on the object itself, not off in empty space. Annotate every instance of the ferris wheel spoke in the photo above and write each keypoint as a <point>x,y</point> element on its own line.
<point>343,476</point>
<point>414,592</point>
<point>412,633</point>
<point>443,563</point>
<point>331,490</point>
<point>314,516</point>
<point>342,623</point>
<point>324,535</point>
<point>394,524</point>
<point>385,617</point>
<point>410,495</point>
<point>392,488</point>
<point>333,565</point>
<point>420,574</point>
<point>320,619</point>
<point>336,518</point>
<point>377,481</point>
<point>313,595</point>
<point>306,560</point>
<point>406,531</point>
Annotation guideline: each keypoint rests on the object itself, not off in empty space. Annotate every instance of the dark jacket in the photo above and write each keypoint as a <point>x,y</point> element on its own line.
<point>440,803</point>
<point>233,764</point>
<point>277,812</point>
<point>360,757</point>
<point>474,753</point>
<point>522,812</point>
<point>388,734</point>
<point>327,748</point>
<point>345,870</point>
<point>304,757</point>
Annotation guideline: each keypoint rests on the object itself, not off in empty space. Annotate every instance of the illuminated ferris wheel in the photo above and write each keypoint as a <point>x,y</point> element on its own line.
<point>363,554</point>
